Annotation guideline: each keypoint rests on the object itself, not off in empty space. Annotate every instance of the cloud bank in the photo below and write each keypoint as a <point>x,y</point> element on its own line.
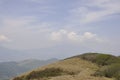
<point>95,10</point>
<point>65,26</point>
<point>72,36</point>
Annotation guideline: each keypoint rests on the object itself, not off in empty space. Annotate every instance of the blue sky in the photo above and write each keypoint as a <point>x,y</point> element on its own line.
<point>63,27</point>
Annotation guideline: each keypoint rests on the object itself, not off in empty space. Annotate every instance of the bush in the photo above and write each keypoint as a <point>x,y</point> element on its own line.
<point>20,78</point>
<point>89,56</point>
<point>17,78</point>
<point>100,59</point>
<point>117,76</point>
<point>49,72</point>
<point>46,73</point>
<point>110,71</point>
<point>105,59</point>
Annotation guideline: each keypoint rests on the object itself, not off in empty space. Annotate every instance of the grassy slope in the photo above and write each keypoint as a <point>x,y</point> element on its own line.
<point>83,70</point>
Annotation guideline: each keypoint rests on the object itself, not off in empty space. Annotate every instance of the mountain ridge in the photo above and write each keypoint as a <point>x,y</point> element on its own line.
<point>89,66</point>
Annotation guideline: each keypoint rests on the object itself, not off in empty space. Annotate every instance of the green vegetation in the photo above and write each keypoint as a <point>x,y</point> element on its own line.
<point>88,56</point>
<point>105,59</point>
<point>100,59</point>
<point>109,64</point>
<point>110,71</point>
<point>48,72</point>
<point>89,66</point>
<point>45,73</point>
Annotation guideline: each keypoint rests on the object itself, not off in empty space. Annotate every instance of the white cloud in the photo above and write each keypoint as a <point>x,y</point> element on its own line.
<point>57,36</point>
<point>89,35</point>
<point>87,12</point>
<point>25,32</point>
<point>3,38</point>
<point>72,36</point>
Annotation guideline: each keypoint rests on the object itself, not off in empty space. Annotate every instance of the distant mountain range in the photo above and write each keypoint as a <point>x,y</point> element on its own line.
<point>11,69</point>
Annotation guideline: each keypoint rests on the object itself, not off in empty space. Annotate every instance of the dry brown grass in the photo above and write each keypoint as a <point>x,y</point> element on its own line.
<point>82,68</point>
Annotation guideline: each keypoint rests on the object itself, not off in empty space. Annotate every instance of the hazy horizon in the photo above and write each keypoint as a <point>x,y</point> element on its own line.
<point>44,29</point>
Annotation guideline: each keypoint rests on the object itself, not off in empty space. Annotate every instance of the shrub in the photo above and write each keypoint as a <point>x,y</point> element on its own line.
<point>117,76</point>
<point>100,59</point>
<point>110,71</point>
<point>46,73</point>
<point>49,72</point>
<point>89,56</point>
<point>105,59</point>
<point>17,78</point>
<point>20,78</point>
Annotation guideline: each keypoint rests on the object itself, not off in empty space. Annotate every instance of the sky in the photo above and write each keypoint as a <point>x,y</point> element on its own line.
<point>58,28</point>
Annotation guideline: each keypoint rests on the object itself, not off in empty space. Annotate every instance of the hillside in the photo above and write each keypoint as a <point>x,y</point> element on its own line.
<point>89,66</point>
<point>12,69</point>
